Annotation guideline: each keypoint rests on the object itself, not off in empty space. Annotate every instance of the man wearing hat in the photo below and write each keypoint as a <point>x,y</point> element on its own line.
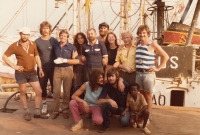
<point>27,57</point>
<point>103,31</point>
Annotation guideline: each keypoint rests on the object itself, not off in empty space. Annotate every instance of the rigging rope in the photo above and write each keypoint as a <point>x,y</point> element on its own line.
<point>127,11</point>
<point>103,12</point>
<point>13,18</point>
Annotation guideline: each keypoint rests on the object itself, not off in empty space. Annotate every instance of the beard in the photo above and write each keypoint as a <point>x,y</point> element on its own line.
<point>24,39</point>
<point>113,82</point>
<point>100,84</point>
<point>91,39</point>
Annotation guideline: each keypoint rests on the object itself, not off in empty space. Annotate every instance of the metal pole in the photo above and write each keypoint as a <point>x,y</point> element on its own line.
<point>74,17</point>
<point>142,12</point>
<point>79,16</point>
<point>66,2</point>
<point>194,23</point>
<point>160,18</point>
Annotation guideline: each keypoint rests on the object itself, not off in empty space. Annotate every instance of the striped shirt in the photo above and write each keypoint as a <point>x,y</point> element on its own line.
<point>144,58</point>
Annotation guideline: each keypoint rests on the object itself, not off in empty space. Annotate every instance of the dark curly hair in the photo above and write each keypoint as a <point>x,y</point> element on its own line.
<point>94,77</point>
<point>76,44</point>
<point>134,84</point>
<point>107,42</point>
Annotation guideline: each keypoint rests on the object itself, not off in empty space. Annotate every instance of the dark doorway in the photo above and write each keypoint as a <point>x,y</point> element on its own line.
<point>177,98</point>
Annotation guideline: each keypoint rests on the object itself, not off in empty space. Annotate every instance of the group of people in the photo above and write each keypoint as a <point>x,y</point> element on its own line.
<point>101,77</point>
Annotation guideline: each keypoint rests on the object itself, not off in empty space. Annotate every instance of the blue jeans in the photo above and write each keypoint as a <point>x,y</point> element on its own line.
<point>107,109</point>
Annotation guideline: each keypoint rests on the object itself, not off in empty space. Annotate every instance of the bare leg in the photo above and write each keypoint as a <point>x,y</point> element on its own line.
<point>148,97</point>
<point>22,88</point>
<point>145,113</point>
<point>38,91</point>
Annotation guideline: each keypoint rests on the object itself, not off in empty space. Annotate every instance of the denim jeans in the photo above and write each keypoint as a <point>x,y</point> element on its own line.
<point>107,109</point>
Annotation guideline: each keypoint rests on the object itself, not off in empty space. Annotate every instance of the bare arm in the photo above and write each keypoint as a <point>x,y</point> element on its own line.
<point>126,109</point>
<point>9,63</point>
<point>105,60</point>
<point>162,53</point>
<point>38,61</point>
<point>73,61</point>
<point>76,95</point>
<point>108,100</point>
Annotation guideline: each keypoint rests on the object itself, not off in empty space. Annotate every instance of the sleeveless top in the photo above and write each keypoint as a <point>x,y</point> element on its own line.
<point>144,58</point>
<point>91,97</point>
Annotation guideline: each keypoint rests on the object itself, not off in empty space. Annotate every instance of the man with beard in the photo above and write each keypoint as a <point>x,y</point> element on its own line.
<point>103,31</point>
<point>88,105</point>
<point>94,54</point>
<point>45,45</point>
<point>113,100</point>
<point>27,56</point>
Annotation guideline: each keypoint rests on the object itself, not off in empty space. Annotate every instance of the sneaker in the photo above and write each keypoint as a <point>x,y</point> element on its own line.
<point>134,125</point>
<point>44,108</point>
<point>27,116</point>
<point>140,125</point>
<point>146,131</point>
<point>50,95</point>
<point>54,115</point>
<point>41,116</point>
<point>77,126</point>
<point>65,115</point>
<point>103,129</point>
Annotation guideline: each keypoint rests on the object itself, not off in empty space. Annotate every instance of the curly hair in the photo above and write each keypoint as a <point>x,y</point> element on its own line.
<point>94,77</point>
<point>134,84</point>
<point>76,44</point>
<point>107,42</point>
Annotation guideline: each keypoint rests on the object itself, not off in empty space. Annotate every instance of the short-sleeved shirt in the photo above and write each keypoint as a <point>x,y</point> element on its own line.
<point>64,52</point>
<point>127,58</point>
<point>115,94</point>
<point>91,97</point>
<point>46,52</point>
<point>94,54</point>
<point>25,58</point>
<point>112,55</point>
<point>135,106</point>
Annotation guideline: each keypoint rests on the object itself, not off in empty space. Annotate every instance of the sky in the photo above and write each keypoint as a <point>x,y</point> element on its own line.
<point>36,11</point>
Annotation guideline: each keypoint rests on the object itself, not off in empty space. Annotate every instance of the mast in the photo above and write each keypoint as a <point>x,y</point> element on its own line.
<point>66,11</point>
<point>194,23</point>
<point>142,12</point>
<point>74,17</point>
<point>79,16</point>
<point>160,18</point>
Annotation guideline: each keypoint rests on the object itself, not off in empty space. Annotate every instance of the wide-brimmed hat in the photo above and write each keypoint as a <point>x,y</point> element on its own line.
<point>25,30</point>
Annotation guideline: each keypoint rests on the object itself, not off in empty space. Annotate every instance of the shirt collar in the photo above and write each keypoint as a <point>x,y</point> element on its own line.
<point>132,46</point>
<point>18,42</point>
<point>97,42</point>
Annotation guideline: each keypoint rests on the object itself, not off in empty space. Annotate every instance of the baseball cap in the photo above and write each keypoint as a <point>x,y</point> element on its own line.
<point>25,30</point>
<point>104,24</point>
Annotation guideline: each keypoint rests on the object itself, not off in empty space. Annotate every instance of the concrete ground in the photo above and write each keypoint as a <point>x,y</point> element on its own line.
<point>166,121</point>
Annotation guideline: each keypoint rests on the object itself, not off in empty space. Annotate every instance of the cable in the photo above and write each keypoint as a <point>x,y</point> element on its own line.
<point>13,18</point>
<point>103,12</point>
<point>129,15</point>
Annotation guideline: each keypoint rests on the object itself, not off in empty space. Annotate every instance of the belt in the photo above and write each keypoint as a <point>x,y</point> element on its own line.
<point>142,70</point>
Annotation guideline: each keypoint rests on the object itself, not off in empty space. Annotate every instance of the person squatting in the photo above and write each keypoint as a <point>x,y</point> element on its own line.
<point>99,77</point>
